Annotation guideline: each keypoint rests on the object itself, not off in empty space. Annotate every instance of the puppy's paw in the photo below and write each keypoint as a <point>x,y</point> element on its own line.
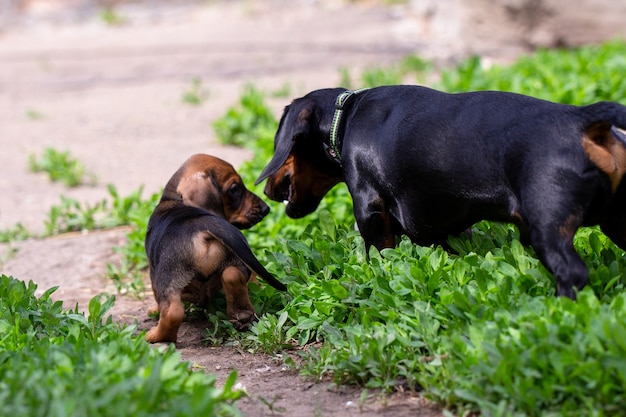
<point>243,320</point>
<point>155,335</point>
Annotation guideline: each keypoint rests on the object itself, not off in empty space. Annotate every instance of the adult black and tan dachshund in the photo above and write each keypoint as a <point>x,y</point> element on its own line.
<point>194,248</point>
<point>429,164</point>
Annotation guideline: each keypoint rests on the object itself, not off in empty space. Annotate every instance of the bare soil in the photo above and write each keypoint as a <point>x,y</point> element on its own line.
<point>112,96</point>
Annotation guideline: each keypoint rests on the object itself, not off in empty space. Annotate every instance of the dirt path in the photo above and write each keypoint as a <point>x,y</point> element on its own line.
<point>112,96</point>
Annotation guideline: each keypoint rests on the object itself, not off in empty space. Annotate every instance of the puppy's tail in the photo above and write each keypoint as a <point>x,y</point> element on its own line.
<point>231,237</point>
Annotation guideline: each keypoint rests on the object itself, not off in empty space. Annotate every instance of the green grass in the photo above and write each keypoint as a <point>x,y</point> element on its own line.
<point>14,233</point>
<point>242,123</point>
<point>71,215</point>
<point>60,166</point>
<point>132,210</point>
<point>411,69</point>
<point>196,94</point>
<point>478,330</point>
<point>32,114</point>
<point>111,17</point>
<point>57,363</point>
<point>576,77</point>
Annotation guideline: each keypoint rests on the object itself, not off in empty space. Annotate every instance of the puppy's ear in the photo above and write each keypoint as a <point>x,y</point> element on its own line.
<point>200,190</point>
<point>296,121</point>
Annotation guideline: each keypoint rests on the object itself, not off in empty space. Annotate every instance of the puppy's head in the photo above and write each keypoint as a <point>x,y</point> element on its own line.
<point>212,184</point>
<point>301,173</point>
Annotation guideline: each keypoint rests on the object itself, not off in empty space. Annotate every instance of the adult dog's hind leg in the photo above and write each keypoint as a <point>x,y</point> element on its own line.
<point>553,241</point>
<point>558,255</point>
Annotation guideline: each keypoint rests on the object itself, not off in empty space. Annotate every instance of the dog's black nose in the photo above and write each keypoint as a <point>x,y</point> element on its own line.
<point>265,209</point>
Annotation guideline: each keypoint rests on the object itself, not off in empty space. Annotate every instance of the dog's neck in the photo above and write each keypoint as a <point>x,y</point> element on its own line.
<point>334,146</point>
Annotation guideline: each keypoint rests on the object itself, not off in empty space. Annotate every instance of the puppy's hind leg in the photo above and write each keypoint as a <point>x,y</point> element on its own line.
<point>238,305</point>
<point>171,314</point>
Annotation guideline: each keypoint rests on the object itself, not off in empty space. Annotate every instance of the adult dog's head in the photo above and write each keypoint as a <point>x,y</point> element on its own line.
<point>212,184</point>
<point>301,171</point>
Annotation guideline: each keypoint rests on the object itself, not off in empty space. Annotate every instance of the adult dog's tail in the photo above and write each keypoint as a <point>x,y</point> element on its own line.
<point>606,112</point>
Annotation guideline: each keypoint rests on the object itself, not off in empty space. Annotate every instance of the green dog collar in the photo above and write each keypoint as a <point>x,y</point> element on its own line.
<point>333,150</point>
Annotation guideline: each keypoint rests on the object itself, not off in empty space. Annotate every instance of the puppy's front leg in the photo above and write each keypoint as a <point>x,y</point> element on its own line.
<point>238,305</point>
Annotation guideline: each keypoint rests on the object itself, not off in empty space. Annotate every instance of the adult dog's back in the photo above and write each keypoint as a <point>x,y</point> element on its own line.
<point>427,164</point>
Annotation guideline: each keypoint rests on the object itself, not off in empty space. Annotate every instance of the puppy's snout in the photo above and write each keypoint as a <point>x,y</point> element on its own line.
<point>250,213</point>
<point>264,209</point>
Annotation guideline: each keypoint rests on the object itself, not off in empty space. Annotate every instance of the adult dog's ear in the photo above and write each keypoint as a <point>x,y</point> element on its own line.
<point>295,121</point>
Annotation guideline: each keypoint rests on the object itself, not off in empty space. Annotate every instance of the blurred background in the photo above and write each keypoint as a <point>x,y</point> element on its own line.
<point>131,88</point>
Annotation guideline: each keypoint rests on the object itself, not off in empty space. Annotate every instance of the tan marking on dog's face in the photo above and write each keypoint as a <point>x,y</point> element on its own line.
<point>279,185</point>
<point>213,184</point>
<point>299,182</point>
<point>606,152</point>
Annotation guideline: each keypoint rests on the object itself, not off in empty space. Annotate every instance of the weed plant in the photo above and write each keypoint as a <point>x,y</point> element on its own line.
<point>110,17</point>
<point>57,363</point>
<point>242,123</point>
<point>60,166</point>
<point>71,215</point>
<point>132,210</point>
<point>196,94</point>
<point>14,233</point>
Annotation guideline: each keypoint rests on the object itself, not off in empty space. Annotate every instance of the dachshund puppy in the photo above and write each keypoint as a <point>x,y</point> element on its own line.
<point>428,164</point>
<point>195,249</point>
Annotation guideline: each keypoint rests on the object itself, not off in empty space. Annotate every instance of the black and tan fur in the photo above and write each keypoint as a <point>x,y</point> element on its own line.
<point>194,248</point>
<point>428,164</point>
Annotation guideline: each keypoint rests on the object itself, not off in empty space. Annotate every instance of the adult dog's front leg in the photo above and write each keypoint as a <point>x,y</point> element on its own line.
<point>373,219</point>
